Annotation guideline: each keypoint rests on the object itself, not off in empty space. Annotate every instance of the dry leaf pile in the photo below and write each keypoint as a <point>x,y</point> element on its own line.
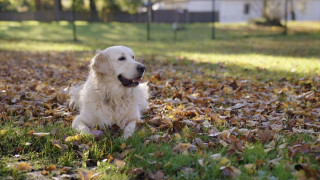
<point>188,101</point>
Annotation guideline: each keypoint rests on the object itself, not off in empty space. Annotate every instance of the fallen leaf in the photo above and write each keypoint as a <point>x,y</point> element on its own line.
<point>109,158</point>
<point>41,134</point>
<point>119,163</point>
<point>24,167</point>
<point>216,157</point>
<point>72,138</point>
<point>51,167</point>
<point>3,132</point>
<point>85,175</point>
<point>251,168</point>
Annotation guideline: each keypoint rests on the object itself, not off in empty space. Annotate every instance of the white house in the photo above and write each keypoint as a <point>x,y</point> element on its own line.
<point>241,10</point>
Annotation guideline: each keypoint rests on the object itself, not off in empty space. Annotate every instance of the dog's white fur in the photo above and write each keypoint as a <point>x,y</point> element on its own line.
<point>103,100</point>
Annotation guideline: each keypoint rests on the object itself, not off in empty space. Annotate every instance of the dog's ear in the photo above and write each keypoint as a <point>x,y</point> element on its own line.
<point>100,63</point>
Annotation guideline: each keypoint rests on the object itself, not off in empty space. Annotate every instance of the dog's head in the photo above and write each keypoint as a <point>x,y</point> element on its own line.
<point>119,62</point>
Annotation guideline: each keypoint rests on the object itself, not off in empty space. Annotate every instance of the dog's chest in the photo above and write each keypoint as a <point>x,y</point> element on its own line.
<point>117,109</point>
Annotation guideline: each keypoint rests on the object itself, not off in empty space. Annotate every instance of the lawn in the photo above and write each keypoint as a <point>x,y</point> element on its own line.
<point>245,105</point>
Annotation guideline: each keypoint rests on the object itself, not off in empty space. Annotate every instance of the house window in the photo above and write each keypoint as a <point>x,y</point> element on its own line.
<point>246,8</point>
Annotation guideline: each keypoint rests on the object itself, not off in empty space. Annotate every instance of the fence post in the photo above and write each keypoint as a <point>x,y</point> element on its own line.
<point>73,21</point>
<point>213,34</point>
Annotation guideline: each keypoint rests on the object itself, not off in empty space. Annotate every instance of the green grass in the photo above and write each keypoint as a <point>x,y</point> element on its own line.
<point>42,152</point>
<point>259,54</point>
<point>240,47</point>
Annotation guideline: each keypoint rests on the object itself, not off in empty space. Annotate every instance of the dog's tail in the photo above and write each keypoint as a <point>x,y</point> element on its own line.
<point>74,94</point>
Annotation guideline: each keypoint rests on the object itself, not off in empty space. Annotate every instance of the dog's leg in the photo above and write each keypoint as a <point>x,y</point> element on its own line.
<point>78,125</point>
<point>129,129</point>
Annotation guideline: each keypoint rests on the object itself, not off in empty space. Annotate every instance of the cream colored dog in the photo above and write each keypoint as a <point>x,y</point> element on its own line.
<point>112,93</point>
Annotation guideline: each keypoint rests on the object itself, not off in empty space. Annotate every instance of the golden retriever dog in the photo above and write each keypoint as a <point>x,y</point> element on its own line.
<point>112,93</point>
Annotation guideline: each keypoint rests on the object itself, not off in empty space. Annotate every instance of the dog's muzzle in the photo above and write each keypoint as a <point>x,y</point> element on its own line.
<point>129,82</point>
<point>133,82</point>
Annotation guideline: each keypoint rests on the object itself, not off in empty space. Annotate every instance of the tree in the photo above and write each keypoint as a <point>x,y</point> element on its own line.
<point>130,6</point>
<point>57,9</point>
<point>93,11</point>
<point>38,5</point>
<point>4,5</point>
<point>292,12</point>
<point>79,5</point>
<point>272,12</point>
<point>57,5</point>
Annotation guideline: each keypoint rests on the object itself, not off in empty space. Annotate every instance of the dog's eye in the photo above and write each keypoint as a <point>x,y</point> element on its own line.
<point>132,57</point>
<point>122,58</point>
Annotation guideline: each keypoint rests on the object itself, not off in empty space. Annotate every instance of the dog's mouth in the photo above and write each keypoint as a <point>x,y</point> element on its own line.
<point>129,82</point>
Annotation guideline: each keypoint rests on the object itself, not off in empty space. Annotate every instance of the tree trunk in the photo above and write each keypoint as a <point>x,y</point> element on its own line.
<point>93,11</point>
<point>38,5</point>
<point>269,19</point>
<point>57,5</point>
<point>57,9</point>
<point>264,9</point>
<point>292,12</point>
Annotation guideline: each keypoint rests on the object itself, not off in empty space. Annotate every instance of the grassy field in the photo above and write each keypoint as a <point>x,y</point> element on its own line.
<point>245,105</point>
<point>240,45</point>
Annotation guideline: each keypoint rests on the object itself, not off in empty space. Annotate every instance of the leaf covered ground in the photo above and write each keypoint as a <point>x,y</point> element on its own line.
<point>207,119</point>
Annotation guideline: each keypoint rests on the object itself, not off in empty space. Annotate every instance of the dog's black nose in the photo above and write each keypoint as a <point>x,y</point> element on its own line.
<point>141,68</point>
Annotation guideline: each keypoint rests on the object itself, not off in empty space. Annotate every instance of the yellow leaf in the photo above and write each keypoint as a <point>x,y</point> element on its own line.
<point>3,132</point>
<point>251,168</point>
<point>123,145</point>
<point>224,162</point>
<point>142,133</point>
<point>152,130</point>
<point>300,174</point>
<point>169,107</point>
<point>176,136</point>
<point>24,166</point>
<point>73,138</point>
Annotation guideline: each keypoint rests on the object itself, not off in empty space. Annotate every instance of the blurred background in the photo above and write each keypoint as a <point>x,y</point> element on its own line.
<point>280,34</point>
<point>162,11</point>
<point>175,13</point>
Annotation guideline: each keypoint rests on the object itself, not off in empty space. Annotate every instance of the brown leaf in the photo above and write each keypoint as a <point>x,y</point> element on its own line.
<point>159,175</point>
<point>119,163</point>
<point>51,167</point>
<point>85,175</point>
<point>182,147</point>
<point>266,135</point>
<point>109,158</point>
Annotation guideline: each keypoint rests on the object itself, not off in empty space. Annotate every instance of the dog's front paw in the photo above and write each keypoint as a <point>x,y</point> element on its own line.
<point>126,135</point>
<point>129,129</point>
